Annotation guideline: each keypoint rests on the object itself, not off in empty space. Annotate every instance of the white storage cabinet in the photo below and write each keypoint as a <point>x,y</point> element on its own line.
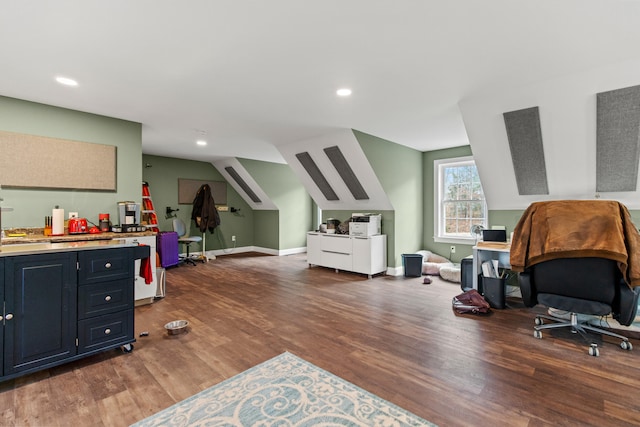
<point>366,255</point>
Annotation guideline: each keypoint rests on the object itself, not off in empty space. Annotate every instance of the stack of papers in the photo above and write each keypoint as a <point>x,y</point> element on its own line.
<point>490,269</point>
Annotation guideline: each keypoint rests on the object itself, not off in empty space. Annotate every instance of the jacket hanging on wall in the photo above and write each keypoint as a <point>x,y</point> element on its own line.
<point>204,211</point>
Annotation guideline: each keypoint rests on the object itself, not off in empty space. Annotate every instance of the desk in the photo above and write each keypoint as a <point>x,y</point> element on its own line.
<point>487,252</point>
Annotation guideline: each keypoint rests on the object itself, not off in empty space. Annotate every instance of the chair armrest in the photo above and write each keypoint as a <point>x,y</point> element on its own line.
<point>626,304</point>
<point>527,289</point>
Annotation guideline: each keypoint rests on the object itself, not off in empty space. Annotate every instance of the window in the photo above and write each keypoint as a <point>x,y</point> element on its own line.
<point>460,202</point>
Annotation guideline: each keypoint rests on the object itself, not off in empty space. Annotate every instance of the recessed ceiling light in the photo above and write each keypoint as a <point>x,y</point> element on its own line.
<point>66,81</point>
<point>201,142</point>
<point>343,92</point>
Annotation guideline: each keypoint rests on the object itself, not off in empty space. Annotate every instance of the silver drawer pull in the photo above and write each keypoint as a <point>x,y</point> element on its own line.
<point>107,265</point>
<point>9,316</point>
<point>107,331</point>
<point>1,318</point>
<point>107,298</point>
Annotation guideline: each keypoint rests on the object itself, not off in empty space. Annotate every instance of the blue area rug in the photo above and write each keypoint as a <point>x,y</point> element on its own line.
<point>284,391</point>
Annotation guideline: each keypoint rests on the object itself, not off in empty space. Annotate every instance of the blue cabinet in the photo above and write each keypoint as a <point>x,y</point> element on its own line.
<point>40,310</point>
<point>62,306</point>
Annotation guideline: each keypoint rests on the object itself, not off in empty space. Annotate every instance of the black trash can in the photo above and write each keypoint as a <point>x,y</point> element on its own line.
<point>412,264</point>
<point>494,292</point>
<point>466,274</point>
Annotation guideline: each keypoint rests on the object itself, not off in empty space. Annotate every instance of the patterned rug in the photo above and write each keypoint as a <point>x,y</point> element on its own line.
<point>284,391</point>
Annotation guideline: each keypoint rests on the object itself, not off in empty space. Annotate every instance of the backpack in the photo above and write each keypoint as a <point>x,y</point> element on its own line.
<point>470,302</point>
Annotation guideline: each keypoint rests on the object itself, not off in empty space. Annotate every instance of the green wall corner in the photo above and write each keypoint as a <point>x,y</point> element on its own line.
<point>32,205</point>
<point>162,174</point>
<point>430,197</point>
<point>400,172</point>
<point>287,227</point>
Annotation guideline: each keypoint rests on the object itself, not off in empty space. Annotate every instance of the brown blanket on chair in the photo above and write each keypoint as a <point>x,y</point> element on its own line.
<point>577,228</point>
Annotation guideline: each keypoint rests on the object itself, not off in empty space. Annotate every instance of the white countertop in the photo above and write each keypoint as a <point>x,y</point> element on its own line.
<point>37,248</point>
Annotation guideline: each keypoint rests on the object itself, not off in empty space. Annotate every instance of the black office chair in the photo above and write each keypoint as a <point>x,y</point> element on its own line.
<point>580,286</point>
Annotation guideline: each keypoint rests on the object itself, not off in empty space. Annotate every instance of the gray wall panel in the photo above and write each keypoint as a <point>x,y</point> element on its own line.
<point>242,183</point>
<point>618,139</point>
<point>527,152</point>
<point>316,175</point>
<point>346,173</point>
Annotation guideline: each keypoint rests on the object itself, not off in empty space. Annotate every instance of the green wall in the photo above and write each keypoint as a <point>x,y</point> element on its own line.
<point>400,172</point>
<point>162,174</point>
<point>32,205</point>
<point>405,174</point>
<point>510,218</point>
<point>507,218</point>
<point>429,190</point>
<point>267,229</point>
<point>295,206</point>
<point>279,230</point>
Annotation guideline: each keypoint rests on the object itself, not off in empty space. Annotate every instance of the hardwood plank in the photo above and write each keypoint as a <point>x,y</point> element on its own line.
<point>75,404</point>
<point>392,336</point>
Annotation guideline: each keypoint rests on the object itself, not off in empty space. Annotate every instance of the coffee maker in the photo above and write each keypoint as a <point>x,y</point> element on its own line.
<point>129,217</point>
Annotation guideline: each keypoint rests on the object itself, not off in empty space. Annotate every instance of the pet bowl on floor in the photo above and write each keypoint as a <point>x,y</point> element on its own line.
<point>176,327</point>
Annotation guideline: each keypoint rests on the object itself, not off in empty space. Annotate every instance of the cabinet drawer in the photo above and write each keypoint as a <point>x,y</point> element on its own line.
<point>337,260</point>
<point>99,332</point>
<point>104,298</point>
<point>104,264</point>
<point>336,244</point>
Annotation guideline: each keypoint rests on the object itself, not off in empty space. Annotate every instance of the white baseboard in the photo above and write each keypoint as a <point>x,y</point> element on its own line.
<point>395,271</point>
<point>268,251</point>
<point>391,271</point>
<point>293,251</point>
<point>229,251</point>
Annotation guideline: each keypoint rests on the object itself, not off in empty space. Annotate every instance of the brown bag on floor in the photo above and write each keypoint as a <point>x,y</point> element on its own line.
<point>470,302</point>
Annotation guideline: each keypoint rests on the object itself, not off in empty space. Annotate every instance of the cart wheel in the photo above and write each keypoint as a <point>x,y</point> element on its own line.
<point>538,321</point>
<point>537,334</point>
<point>127,348</point>
<point>626,345</point>
<point>593,350</point>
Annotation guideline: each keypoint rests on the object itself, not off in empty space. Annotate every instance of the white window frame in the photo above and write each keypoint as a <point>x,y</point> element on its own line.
<point>438,226</point>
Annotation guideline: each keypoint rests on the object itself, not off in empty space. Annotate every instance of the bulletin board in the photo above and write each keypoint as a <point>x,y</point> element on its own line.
<point>30,161</point>
<point>187,189</point>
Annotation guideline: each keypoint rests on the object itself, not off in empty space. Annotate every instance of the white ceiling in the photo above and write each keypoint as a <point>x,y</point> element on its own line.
<point>256,74</point>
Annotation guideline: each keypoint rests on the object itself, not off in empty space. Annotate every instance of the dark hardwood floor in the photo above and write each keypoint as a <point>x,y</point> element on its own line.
<point>392,336</point>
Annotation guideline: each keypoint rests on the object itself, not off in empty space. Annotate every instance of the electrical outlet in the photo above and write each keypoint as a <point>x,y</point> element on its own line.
<point>453,249</point>
<point>233,238</point>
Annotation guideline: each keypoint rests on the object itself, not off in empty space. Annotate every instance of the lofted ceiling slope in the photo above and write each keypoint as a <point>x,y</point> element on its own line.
<point>249,76</point>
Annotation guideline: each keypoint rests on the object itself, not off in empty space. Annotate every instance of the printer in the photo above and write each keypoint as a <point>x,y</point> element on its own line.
<point>363,225</point>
